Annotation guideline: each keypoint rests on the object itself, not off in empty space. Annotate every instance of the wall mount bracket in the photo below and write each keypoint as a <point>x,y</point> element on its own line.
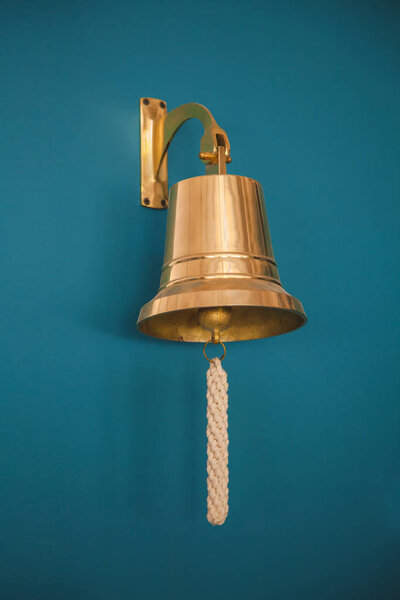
<point>157,129</point>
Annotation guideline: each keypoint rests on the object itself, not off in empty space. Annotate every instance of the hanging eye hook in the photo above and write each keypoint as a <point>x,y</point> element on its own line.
<point>211,342</point>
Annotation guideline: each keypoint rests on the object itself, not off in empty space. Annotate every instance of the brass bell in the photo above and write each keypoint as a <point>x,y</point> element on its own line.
<point>219,280</point>
<point>219,273</point>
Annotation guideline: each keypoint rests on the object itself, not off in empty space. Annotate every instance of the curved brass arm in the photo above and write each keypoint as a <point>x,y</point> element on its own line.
<point>213,137</point>
<point>158,129</point>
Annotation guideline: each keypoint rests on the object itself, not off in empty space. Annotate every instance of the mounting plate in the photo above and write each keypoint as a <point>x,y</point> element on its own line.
<point>154,191</point>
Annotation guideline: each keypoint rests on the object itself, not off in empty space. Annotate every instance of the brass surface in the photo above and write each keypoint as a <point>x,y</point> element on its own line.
<point>218,254</point>
<point>205,349</point>
<point>153,177</point>
<point>215,320</point>
<point>211,158</point>
<point>157,130</point>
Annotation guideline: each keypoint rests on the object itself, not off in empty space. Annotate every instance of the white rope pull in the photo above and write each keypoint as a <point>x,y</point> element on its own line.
<point>217,443</point>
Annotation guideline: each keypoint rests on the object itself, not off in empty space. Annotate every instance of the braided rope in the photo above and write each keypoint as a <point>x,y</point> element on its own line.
<point>217,443</point>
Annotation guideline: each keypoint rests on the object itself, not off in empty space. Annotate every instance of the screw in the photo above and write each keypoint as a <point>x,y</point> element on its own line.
<point>146,101</point>
<point>146,201</point>
<point>163,202</point>
<point>162,104</point>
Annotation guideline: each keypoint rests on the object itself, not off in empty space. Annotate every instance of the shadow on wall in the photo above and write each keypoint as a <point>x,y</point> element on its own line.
<point>157,450</point>
<point>167,441</point>
<point>127,265</point>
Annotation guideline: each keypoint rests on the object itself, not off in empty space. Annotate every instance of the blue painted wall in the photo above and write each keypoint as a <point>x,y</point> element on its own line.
<point>102,430</point>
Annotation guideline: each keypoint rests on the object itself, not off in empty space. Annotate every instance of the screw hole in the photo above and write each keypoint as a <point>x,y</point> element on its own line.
<point>146,201</point>
<point>146,101</point>
<point>163,202</point>
<point>162,104</point>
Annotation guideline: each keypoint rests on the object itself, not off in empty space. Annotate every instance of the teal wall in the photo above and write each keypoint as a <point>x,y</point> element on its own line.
<point>102,441</point>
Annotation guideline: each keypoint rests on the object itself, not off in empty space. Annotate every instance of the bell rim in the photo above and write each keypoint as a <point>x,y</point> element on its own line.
<point>278,302</point>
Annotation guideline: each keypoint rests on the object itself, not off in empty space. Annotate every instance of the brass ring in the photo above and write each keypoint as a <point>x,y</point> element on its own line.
<point>210,342</point>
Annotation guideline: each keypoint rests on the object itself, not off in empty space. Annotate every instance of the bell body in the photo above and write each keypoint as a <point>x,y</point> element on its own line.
<point>218,253</point>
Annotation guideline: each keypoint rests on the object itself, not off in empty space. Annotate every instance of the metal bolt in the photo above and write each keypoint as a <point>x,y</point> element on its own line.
<point>146,201</point>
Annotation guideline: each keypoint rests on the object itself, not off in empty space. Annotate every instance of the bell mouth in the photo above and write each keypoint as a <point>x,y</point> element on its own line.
<point>259,310</point>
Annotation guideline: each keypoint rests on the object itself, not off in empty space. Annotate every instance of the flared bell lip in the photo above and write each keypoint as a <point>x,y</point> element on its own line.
<point>256,313</point>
